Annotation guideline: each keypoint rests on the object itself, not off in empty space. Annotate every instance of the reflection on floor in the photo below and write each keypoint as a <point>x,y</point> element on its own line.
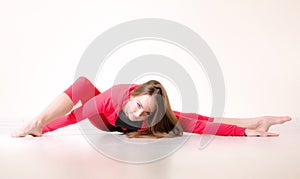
<point>81,151</point>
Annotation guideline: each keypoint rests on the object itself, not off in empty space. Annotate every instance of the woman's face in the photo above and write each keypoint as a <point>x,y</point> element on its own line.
<point>139,108</point>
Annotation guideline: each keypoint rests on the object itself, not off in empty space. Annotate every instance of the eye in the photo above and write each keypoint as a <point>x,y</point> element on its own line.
<point>148,113</point>
<point>139,106</point>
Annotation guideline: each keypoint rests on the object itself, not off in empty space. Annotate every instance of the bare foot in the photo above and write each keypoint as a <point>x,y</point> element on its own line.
<point>33,128</point>
<point>264,123</point>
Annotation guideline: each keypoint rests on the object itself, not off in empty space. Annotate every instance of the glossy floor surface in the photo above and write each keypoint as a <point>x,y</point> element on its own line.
<point>80,151</point>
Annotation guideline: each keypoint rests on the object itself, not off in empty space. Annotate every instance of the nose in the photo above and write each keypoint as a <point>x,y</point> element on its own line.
<point>140,112</point>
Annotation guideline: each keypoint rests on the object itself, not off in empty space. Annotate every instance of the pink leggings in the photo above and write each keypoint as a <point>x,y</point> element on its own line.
<point>82,89</point>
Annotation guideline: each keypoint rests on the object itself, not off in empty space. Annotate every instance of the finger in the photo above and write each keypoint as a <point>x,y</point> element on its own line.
<point>270,134</point>
<point>263,134</point>
<point>254,135</point>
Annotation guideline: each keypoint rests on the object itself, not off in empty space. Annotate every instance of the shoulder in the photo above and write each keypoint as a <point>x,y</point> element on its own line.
<point>123,87</point>
<point>120,93</point>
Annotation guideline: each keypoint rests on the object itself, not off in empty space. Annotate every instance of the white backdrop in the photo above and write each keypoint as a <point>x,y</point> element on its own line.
<point>257,44</point>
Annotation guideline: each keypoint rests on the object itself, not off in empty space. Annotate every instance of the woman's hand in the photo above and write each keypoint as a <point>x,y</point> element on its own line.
<point>259,133</point>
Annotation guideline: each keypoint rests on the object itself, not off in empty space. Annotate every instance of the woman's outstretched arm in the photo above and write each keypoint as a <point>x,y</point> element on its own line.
<point>256,126</point>
<point>61,105</point>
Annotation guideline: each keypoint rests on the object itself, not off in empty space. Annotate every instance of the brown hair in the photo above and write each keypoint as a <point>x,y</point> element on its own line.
<point>163,122</point>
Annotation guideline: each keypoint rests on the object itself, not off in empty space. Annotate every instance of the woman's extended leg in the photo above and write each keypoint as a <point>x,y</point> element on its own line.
<point>58,107</point>
<point>82,89</point>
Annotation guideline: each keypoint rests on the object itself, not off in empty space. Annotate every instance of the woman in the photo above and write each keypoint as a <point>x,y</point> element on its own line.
<point>137,111</point>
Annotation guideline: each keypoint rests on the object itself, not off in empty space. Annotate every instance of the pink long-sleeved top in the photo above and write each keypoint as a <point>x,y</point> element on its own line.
<point>107,106</point>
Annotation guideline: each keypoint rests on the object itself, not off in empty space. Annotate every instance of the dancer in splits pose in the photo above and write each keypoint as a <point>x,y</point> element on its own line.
<point>137,110</point>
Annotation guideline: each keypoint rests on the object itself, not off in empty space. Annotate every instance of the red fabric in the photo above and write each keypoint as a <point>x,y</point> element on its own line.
<point>102,110</point>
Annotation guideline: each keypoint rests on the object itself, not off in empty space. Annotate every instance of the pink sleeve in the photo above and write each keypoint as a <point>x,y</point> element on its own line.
<point>195,123</point>
<point>193,116</point>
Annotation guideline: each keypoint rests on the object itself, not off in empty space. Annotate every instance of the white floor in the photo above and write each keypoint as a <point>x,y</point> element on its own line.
<point>68,153</point>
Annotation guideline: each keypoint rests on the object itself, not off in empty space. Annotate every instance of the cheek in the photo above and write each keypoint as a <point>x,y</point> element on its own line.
<point>133,107</point>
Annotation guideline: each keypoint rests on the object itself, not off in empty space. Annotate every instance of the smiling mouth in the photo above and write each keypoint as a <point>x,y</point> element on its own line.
<point>134,118</point>
<point>130,116</point>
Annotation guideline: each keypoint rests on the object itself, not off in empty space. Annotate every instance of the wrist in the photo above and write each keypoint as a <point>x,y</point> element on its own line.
<point>246,132</point>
